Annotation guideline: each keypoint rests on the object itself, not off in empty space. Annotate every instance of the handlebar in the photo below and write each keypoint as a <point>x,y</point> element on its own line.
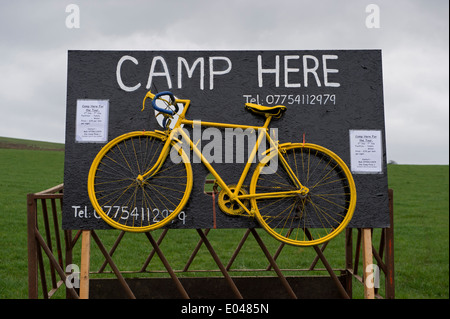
<point>172,102</point>
<point>157,96</point>
<point>167,113</point>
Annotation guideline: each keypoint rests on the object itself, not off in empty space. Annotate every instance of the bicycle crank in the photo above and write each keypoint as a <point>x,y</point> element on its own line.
<point>230,206</point>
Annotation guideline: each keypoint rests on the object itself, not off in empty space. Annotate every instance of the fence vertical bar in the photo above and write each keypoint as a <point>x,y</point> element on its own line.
<point>349,261</point>
<point>57,233</point>
<point>48,237</point>
<point>32,248</point>
<point>389,258</point>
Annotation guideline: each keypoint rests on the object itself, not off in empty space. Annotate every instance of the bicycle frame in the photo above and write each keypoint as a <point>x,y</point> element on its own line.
<point>284,207</point>
<point>263,131</point>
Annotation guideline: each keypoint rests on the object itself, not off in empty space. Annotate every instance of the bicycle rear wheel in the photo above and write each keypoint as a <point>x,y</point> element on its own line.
<point>130,204</point>
<point>304,220</point>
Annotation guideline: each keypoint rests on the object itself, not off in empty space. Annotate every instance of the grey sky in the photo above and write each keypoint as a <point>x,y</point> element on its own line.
<point>413,36</point>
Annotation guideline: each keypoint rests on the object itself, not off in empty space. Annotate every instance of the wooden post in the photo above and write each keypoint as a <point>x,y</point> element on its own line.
<point>85,260</point>
<point>369,291</point>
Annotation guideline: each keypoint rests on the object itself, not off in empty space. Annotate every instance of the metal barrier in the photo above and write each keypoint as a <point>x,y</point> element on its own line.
<point>42,240</point>
<point>50,250</point>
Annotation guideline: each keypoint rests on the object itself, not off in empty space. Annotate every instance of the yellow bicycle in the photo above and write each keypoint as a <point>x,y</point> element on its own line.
<point>306,199</point>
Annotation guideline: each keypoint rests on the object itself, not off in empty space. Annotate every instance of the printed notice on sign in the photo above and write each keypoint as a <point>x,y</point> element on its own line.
<point>92,121</point>
<point>366,152</point>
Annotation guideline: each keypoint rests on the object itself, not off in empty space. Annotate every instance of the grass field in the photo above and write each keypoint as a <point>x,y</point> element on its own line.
<point>421,231</point>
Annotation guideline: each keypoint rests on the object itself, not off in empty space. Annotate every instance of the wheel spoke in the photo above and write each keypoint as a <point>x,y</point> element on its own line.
<point>130,204</point>
<point>323,212</point>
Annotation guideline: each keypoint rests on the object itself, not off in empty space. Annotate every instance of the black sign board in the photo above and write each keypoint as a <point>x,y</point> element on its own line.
<point>334,98</point>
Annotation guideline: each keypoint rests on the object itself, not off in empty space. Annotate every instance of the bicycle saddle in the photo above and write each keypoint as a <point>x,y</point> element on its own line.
<point>275,111</point>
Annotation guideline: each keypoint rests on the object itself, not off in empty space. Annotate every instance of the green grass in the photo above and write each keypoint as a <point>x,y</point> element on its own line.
<point>421,232</point>
<point>8,142</point>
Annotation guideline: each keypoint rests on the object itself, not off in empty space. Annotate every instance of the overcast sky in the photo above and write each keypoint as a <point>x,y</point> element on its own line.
<point>412,34</point>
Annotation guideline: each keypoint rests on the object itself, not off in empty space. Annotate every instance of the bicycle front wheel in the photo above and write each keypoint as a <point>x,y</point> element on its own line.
<point>303,220</point>
<point>123,200</point>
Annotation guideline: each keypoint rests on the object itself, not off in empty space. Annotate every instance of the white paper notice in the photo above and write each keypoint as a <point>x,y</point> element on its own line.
<point>366,152</point>
<point>92,121</point>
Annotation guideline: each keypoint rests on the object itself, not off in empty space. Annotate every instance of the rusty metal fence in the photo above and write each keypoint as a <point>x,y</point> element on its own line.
<point>50,251</point>
<point>45,243</point>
